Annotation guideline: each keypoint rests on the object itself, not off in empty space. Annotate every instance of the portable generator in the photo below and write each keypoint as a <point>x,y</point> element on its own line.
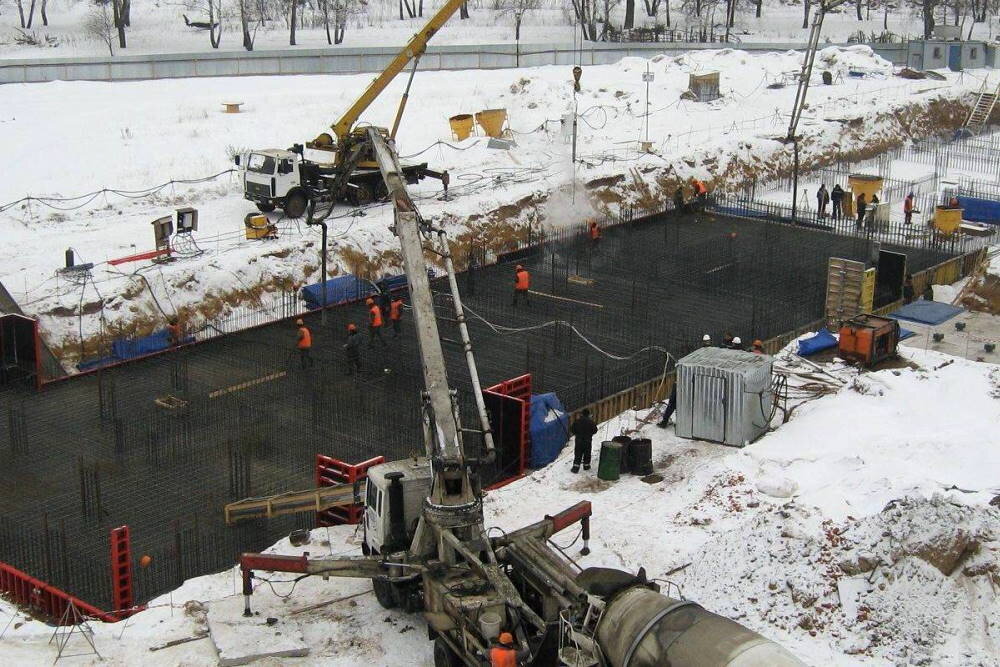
<point>868,339</point>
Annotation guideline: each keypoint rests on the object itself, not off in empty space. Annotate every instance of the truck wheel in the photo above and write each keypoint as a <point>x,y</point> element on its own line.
<point>295,204</point>
<point>444,656</point>
<point>384,592</point>
<point>361,195</point>
<point>265,208</point>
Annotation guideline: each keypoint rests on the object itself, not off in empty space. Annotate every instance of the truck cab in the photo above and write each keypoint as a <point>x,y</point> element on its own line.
<point>394,499</point>
<point>272,178</point>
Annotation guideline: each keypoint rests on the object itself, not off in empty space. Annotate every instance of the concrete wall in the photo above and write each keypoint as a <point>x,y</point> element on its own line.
<point>352,60</point>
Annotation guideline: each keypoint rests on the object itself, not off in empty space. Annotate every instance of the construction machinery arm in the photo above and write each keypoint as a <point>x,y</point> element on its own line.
<point>413,50</point>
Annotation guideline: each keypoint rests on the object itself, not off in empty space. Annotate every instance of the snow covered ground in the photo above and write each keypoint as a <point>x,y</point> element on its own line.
<point>132,136</point>
<point>159,27</point>
<point>865,531</point>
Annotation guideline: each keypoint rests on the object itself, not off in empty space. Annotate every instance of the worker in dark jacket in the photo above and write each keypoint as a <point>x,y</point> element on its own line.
<point>352,349</point>
<point>522,283</point>
<point>837,199</point>
<point>679,200</point>
<point>862,206</point>
<point>303,343</point>
<point>669,410</point>
<point>908,292</point>
<point>384,297</point>
<point>375,322</point>
<point>583,430</point>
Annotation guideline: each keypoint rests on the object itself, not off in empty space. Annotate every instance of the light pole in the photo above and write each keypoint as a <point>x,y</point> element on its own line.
<point>647,77</point>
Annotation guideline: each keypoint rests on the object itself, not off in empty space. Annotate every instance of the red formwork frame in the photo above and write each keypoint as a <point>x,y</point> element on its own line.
<point>518,388</point>
<point>331,472</point>
<point>44,598</point>
<point>121,569</point>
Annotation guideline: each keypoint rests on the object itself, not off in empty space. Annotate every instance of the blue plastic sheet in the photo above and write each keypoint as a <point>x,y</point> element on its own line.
<point>823,340</point>
<point>927,312</point>
<point>975,209</point>
<point>338,290</point>
<point>549,427</point>
<point>905,333</point>
<point>130,348</point>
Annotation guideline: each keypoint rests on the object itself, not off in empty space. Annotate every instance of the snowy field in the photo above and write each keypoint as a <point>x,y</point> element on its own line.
<point>159,27</point>
<point>133,136</point>
<point>861,532</point>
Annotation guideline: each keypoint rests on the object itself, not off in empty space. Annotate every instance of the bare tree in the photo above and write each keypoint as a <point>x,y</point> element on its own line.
<point>101,26</point>
<point>629,21</point>
<point>652,7</point>
<point>246,8</point>
<point>806,6</point>
<point>926,8</point>
<point>20,11</point>
<point>214,26</point>
<point>463,11</point>
<point>516,9</point>
<point>292,21</point>
<point>857,8</point>
<point>31,14</point>
<point>116,6</point>
<point>45,16</point>
<point>585,11</point>
<point>760,4</point>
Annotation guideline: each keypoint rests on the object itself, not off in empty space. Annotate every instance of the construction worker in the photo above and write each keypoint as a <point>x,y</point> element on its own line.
<point>669,410</point>
<point>504,654</point>
<point>706,341</point>
<point>727,340</point>
<point>384,297</point>
<point>908,209</point>
<point>679,206</point>
<point>303,344</point>
<point>837,198</point>
<point>445,179</point>
<point>583,430</point>
<point>758,346</point>
<point>908,292</point>
<point>174,333</point>
<point>522,283</point>
<point>862,204</point>
<point>352,349</point>
<point>396,314</point>
<point>737,344</point>
<point>953,202</point>
<point>700,192</point>
<point>594,231</point>
<point>374,323</point>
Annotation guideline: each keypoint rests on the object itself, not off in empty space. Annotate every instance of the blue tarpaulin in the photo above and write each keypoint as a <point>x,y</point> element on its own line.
<point>927,312</point>
<point>823,340</point>
<point>130,348</point>
<point>549,429</point>
<point>905,333</point>
<point>338,290</point>
<point>975,209</point>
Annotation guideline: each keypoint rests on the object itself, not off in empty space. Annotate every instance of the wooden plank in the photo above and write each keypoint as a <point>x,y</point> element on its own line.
<point>246,385</point>
<point>312,500</point>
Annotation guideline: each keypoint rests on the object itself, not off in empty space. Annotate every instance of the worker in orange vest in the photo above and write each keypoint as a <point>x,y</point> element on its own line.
<point>908,209</point>
<point>303,344</point>
<point>374,323</point>
<point>504,654</point>
<point>595,232</point>
<point>700,192</point>
<point>758,347</point>
<point>174,333</point>
<point>522,283</point>
<point>396,314</point>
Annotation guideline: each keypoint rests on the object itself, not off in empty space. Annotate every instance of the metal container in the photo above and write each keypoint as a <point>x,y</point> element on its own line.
<point>724,395</point>
<point>641,628</point>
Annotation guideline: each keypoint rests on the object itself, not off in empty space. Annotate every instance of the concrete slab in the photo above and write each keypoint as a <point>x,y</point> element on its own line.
<point>241,641</point>
<point>980,328</point>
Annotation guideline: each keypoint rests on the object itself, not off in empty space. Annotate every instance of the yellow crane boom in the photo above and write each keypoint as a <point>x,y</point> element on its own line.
<point>413,50</point>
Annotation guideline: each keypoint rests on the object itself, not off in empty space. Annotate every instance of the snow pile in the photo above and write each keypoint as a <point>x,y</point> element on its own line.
<point>846,59</point>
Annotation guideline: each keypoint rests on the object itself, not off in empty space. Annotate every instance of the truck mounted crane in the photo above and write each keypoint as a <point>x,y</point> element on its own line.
<point>426,549</point>
<point>286,179</point>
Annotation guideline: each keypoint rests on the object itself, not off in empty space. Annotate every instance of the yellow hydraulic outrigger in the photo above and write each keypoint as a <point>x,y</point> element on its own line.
<point>345,135</point>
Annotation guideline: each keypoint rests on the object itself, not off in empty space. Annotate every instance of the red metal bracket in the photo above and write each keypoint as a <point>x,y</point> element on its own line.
<point>331,472</point>
<point>518,388</point>
<point>121,569</point>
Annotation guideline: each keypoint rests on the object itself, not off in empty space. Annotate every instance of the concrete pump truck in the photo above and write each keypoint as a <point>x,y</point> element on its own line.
<point>288,180</point>
<point>426,549</point>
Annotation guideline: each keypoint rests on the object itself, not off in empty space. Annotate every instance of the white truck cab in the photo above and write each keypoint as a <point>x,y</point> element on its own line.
<point>272,179</point>
<point>394,498</point>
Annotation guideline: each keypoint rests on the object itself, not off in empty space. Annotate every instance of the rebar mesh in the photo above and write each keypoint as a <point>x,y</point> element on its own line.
<point>163,443</point>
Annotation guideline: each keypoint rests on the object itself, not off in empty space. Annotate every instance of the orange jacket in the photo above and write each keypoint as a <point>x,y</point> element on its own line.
<point>174,333</point>
<point>375,316</point>
<point>595,231</point>
<point>501,656</point>
<point>305,339</point>
<point>908,205</point>
<point>522,280</point>
<point>396,309</point>
<point>699,188</point>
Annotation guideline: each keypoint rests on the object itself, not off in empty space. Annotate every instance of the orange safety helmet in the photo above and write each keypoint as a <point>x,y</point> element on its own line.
<point>352,327</point>
<point>758,343</point>
<point>506,638</point>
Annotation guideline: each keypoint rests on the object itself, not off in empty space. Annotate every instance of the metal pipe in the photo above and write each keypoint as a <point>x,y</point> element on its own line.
<point>470,358</point>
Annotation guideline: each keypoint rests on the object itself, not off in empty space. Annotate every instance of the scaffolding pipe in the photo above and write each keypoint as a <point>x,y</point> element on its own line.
<point>470,358</point>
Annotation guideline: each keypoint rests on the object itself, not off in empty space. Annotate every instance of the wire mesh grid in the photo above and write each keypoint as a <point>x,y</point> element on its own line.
<point>163,443</point>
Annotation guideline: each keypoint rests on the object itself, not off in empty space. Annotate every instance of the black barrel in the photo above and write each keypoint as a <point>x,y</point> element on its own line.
<point>624,441</point>
<point>641,456</point>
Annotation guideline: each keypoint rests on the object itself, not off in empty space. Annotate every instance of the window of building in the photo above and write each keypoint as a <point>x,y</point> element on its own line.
<point>974,53</point>
<point>937,52</point>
